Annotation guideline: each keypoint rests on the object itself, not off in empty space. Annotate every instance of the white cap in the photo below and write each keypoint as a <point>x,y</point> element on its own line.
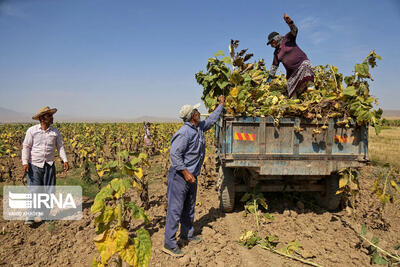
<point>186,111</point>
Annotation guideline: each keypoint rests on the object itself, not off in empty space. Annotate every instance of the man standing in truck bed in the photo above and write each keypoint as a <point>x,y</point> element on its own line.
<point>187,155</point>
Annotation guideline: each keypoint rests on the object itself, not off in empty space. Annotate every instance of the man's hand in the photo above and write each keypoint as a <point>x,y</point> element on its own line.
<point>25,168</point>
<point>188,177</point>
<point>221,100</point>
<point>287,19</point>
<point>66,166</point>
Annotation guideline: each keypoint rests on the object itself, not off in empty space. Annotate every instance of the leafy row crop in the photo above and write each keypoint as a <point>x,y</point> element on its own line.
<point>249,94</point>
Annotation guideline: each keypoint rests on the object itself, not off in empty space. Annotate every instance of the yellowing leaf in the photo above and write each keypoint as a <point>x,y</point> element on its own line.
<point>106,247</point>
<point>275,100</point>
<point>394,185</point>
<point>342,182</point>
<point>234,92</point>
<point>121,238</point>
<point>128,255</point>
<point>108,215</point>
<point>139,173</point>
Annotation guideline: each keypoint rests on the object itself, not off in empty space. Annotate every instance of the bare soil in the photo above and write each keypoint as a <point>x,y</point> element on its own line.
<point>327,238</point>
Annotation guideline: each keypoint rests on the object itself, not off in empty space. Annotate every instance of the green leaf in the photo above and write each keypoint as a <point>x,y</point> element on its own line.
<point>349,91</point>
<point>98,204</point>
<point>123,154</point>
<point>227,60</point>
<point>219,53</point>
<point>143,247</point>
<point>120,185</point>
<point>362,69</point>
<point>269,216</point>
<point>111,165</point>
<point>138,212</point>
<point>396,247</point>
<point>236,78</point>
<point>245,197</point>
<point>223,84</point>
<point>101,227</point>
<point>376,259</point>
<point>378,129</point>
<point>375,240</point>
<point>363,230</point>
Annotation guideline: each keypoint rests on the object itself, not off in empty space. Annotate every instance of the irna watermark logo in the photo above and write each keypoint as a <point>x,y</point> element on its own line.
<point>45,202</point>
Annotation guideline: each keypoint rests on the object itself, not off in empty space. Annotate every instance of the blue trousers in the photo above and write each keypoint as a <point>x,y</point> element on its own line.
<point>45,176</point>
<point>181,197</point>
<point>41,180</point>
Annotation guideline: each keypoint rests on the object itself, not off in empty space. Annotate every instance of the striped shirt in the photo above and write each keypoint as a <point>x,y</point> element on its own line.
<point>39,146</point>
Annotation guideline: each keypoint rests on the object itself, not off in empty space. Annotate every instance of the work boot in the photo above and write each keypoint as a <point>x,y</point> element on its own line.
<point>175,252</point>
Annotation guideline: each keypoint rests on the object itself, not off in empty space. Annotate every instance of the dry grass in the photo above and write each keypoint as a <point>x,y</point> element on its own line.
<point>385,147</point>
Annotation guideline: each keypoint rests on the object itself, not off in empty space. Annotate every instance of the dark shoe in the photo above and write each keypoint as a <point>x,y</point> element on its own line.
<point>175,252</point>
<point>194,239</point>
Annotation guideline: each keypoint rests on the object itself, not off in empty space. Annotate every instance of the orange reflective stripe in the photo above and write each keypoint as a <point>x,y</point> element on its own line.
<point>244,136</point>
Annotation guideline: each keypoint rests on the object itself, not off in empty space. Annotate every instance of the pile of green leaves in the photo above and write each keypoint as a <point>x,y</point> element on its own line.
<point>249,94</point>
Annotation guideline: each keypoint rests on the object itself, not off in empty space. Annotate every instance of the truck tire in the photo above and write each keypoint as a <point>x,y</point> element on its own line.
<point>329,199</point>
<point>227,190</point>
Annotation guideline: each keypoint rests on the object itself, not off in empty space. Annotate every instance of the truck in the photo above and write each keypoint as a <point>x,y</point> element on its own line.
<point>296,154</point>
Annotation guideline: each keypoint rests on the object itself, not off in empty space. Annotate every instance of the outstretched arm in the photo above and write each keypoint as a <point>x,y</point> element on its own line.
<point>213,118</point>
<point>292,26</point>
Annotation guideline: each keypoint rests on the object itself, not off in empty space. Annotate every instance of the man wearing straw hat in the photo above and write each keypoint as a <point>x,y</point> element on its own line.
<point>187,155</point>
<point>38,150</point>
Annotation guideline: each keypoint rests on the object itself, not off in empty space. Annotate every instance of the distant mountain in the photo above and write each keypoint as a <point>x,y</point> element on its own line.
<point>10,116</point>
<point>155,119</point>
<point>390,113</point>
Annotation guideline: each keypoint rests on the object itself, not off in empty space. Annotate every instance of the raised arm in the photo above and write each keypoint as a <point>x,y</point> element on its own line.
<point>292,26</point>
<point>213,118</point>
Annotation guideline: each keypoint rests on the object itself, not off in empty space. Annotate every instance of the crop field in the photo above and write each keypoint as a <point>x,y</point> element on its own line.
<point>385,147</point>
<point>124,209</point>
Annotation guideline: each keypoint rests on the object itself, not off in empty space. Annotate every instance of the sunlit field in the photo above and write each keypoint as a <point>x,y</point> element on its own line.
<point>385,147</point>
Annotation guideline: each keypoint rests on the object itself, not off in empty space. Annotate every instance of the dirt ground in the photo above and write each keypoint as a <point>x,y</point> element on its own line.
<point>327,238</point>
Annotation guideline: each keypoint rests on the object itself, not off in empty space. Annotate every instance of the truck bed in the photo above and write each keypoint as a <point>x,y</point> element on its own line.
<point>255,143</point>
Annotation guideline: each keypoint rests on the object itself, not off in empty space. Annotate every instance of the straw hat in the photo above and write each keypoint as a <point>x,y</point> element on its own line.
<point>44,110</point>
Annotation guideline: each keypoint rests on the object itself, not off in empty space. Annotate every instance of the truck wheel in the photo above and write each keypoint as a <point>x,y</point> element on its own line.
<point>227,190</point>
<point>330,200</point>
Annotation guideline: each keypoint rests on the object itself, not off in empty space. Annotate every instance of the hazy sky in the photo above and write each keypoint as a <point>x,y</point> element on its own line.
<point>126,58</point>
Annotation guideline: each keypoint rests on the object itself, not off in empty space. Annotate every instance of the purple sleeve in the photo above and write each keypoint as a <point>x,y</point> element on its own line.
<point>275,61</point>
<point>293,32</point>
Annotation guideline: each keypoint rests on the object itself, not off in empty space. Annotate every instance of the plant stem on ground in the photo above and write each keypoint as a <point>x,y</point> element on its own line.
<point>290,256</point>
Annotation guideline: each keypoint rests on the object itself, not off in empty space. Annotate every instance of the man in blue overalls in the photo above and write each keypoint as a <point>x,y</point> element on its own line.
<point>187,155</point>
